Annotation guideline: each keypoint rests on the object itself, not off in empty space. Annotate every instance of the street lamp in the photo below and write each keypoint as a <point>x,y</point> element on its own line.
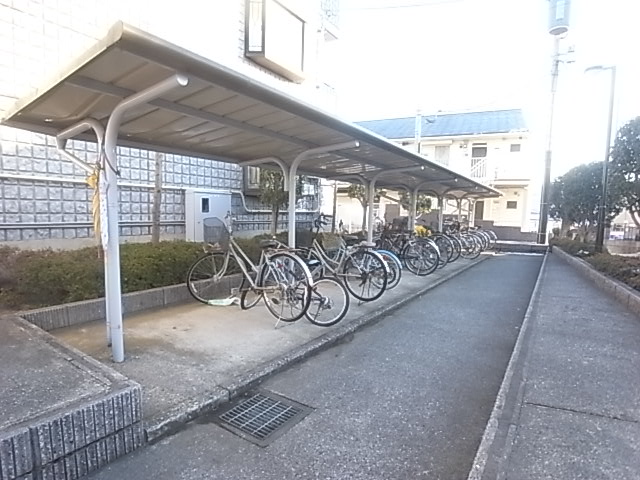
<point>602,208</point>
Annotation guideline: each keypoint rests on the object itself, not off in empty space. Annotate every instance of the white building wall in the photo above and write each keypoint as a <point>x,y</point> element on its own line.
<point>44,199</point>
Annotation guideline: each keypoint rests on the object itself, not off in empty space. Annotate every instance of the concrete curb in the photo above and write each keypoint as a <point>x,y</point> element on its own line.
<point>75,313</point>
<point>496,419</point>
<point>78,436</point>
<point>175,420</point>
<point>623,293</point>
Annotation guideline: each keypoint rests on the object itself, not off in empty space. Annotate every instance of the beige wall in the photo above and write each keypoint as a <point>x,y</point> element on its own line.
<point>496,209</point>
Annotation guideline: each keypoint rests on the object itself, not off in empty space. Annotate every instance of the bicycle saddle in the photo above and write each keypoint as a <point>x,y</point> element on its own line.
<point>269,244</point>
<point>350,239</point>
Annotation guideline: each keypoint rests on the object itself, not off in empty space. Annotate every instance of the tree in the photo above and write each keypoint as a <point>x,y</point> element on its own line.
<point>360,193</point>
<point>575,199</point>
<point>272,193</point>
<point>624,169</point>
<point>423,203</point>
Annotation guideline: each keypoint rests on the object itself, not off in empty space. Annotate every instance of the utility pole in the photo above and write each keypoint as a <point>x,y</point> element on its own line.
<point>558,27</point>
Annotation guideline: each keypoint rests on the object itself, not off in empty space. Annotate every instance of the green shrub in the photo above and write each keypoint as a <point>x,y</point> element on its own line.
<point>624,269</point>
<point>38,278</point>
<point>573,247</point>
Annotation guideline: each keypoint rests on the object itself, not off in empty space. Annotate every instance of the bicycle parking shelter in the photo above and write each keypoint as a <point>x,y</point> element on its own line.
<point>135,89</point>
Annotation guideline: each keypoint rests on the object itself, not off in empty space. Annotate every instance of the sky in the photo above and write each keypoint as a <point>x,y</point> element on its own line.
<point>397,56</point>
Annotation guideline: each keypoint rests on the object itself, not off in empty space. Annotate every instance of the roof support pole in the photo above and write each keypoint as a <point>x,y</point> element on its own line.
<point>283,166</point>
<point>63,136</point>
<point>372,190</point>
<point>61,143</point>
<point>472,216</point>
<point>113,293</point>
<point>293,170</point>
<point>440,212</point>
<point>413,209</point>
<point>459,207</point>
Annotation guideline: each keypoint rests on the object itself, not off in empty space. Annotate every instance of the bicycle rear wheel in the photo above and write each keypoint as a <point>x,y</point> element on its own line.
<point>365,275</point>
<point>329,302</point>
<point>286,284</point>
<point>214,277</point>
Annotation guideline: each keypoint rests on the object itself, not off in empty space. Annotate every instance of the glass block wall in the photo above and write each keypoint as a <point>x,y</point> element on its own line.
<point>43,197</point>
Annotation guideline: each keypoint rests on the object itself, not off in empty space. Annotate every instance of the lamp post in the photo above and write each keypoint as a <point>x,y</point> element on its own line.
<point>602,208</point>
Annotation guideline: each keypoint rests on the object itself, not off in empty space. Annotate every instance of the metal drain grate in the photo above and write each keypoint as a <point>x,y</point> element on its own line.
<point>263,417</point>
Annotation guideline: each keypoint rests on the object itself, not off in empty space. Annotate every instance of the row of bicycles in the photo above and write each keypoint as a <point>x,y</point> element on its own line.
<point>318,280</point>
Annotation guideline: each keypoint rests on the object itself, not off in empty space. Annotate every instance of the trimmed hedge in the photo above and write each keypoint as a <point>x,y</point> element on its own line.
<point>622,268</point>
<point>38,278</point>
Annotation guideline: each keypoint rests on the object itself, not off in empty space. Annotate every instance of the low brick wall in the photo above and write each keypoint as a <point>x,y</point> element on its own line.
<point>623,293</point>
<point>76,442</point>
<point>59,316</point>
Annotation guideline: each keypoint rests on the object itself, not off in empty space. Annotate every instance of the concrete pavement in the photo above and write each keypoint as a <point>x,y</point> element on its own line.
<point>569,408</point>
<point>190,358</point>
<point>406,398</point>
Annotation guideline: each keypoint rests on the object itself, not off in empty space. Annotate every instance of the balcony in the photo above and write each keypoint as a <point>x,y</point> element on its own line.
<point>330,18</point>
<point>479,169</point>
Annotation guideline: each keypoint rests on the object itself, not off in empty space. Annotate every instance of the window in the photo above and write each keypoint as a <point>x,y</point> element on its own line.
<point>251,180</point>
<point>274,38</point>
<point>515,147</point>
<point>479,150</point>
<point>442,154</point>
<point>512,204</point>
<point>205,205</point>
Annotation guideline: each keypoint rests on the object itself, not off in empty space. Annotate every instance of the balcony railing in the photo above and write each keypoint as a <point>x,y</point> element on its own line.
<point>478,168</point>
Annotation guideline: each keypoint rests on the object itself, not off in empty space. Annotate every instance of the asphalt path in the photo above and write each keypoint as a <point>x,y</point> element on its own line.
<point>406,398</point>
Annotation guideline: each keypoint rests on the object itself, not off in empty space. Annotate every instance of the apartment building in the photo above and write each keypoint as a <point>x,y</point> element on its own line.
<point>491,147</point>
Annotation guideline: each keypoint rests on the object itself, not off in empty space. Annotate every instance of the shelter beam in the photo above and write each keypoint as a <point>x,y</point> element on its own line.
<point>292,179</point>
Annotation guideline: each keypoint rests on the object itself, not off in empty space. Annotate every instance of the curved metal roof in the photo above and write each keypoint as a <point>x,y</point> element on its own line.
<point>220,114</point>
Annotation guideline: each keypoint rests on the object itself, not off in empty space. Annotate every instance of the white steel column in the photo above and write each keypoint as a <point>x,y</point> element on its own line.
<point>113,291</point>
<point>371,197</point>
<point>61,143</point>
<point>440,212</point>
<point>292,180</point>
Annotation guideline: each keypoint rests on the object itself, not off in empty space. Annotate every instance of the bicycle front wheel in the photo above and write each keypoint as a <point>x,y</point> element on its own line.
<point>395,267</point>
<point>329,302</point>
<point>286,284</point>
<point>214,277</point>
<point>365,275</point>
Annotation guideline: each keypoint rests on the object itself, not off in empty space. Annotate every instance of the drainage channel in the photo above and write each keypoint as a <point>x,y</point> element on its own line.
<point>261,416</point>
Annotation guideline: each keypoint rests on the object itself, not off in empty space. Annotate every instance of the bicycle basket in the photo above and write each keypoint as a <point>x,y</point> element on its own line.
<point>331,241</point>
<point>216,233</point>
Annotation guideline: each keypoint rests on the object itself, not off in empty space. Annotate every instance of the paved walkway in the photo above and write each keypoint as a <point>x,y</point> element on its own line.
<point>191,357</point>
<point>571,409</point>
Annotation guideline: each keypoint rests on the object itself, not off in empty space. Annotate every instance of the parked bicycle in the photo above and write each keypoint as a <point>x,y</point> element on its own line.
<point>280,278</point>
<point>363,271</point>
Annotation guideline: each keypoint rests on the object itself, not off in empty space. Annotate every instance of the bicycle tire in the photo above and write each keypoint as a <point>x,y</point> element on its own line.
<point>328,294</point>
<point>457,247</point>
<point>249,297</point>
<point>395,267</point>
<point>205,280</point>
<point>421,258</point>
<point>363,269</point>
<point>290,282</point>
